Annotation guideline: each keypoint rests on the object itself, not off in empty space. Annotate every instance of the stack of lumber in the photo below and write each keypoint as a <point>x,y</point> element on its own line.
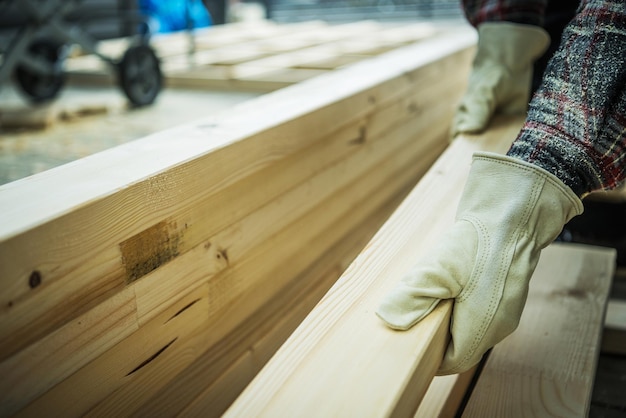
<point>343,361</point>
<point>158,277</point>
<point>259,56</point>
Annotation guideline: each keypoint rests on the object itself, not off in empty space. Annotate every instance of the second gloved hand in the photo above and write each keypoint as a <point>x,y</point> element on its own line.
<point>508,212</point>
<point>501,75</point>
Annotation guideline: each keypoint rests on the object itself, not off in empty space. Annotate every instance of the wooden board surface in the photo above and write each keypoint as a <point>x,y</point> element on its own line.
<point>546,368</point>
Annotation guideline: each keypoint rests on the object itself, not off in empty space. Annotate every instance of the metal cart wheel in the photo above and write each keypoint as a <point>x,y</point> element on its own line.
<point>140,75</point>
<point>42,86</point>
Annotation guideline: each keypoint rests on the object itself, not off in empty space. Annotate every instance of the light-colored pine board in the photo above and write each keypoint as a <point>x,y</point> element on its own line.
<point>252,230</point>
<point>390,371</point>
<point>445,395</point>
<point>269,332</point>
<point>614,335</point>
<point>48,233</point>
<point>204,368</point>
<point>546,368</point>
<point>37,368</point>
<point>144,349</point>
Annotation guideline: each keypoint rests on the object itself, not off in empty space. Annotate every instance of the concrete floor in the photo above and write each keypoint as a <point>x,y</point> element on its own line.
<point>30,148</point>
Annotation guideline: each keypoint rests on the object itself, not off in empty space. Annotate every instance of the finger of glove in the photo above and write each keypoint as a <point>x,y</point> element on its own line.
<point>473,114</point>
<point>439,275</point>
<point>474,331</point>
<point>403,307</point>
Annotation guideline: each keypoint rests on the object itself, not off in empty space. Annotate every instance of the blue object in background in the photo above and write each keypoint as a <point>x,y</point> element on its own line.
<point>175,15</point>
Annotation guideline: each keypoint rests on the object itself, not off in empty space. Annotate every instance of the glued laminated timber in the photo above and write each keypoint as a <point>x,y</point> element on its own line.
<point>158,277</point>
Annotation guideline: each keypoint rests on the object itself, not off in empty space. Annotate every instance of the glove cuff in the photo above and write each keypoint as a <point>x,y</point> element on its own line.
<point>514,44</point>
<point>567,192</point>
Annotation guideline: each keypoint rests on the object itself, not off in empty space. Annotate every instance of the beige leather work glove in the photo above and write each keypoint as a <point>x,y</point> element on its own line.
<point>508,212</point>
<point>501,75</point>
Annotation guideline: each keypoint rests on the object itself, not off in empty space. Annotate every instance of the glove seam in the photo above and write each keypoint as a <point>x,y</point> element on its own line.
<point>504,266</point>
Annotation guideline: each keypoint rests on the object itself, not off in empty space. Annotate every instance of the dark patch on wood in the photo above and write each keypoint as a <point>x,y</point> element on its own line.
<point>150,249</point>
<point>361,139</point>
<point>152,357</point>
<point>35,279</point>
<point>223,253</point>
<point>412,107</point>
<point>183,309</point>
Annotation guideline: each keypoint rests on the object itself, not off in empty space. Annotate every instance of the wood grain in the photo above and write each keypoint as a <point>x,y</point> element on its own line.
<point>546,368</point>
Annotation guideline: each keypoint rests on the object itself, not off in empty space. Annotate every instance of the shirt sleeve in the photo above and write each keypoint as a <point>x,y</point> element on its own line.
<point>530,12</point>
<point>576,122</point>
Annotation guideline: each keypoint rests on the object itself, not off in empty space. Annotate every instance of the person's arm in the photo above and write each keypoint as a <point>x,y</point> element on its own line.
<point>528,12</point>
<point>510,40</point>
<point>576,124</point>
<point>573,142</point>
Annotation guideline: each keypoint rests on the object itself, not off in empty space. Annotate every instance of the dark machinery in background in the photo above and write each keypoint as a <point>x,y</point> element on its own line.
<point>36,35</point>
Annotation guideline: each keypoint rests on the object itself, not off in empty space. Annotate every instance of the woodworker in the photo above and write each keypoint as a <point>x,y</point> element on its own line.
<point>573,142</point>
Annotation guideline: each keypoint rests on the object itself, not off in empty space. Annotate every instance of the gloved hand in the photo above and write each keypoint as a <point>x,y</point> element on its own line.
<point>501,75</point>
<point>508,212</point>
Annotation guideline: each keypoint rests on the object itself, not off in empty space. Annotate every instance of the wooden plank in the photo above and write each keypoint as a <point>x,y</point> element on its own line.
<point>248,286</point>
<point>314,283</point>
<point>547,367</point>
<point>189,384</point>
<point>37,368</point>
<point>614,335</point>
<point>73,242</point>
<point>445,395</point>
<point>251,231</point>
<point>389,371</point>
<point>141,351</point>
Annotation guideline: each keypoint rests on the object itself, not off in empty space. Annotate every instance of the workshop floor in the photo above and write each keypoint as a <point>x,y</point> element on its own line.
<point>84,121</point>
<point>88,120</point>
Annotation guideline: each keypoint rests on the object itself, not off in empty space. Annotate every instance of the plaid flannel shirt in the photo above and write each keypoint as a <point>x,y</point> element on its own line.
<point>576,122</point>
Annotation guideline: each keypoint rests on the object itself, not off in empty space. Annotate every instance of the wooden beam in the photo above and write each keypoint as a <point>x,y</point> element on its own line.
<point>218,210</point>
<point>547,366</point>
<point>70,237</point>
<point>342,360</point>
<point>614,335</point>
<point>445,395</point>
<point>209,385</point>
